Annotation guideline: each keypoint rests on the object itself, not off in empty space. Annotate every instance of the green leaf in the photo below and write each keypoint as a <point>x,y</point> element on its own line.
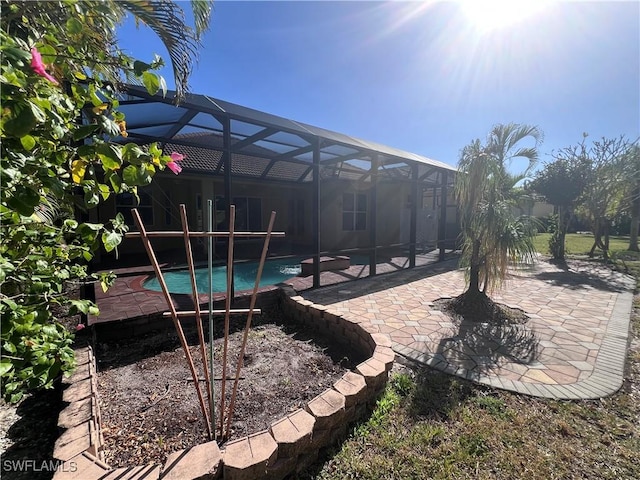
<point>110,156</point>
<point>84,131</point>
<point>21,124</point>
<point>132,153</point>
<point>115,181</point>
<point>24,200</point>
<point>109,126</point>
<point>119,222</point>
<point>28,142</point>
<point>48,53</point>
<point>130,175</point>
<point>88,232</point>
<point>133,175</point>
<point>151,82</point>
<point>74,26</point>
<point>16,53</point>
<point>140,67</point>
<point>38,113</point>
<point>5,366</point>
<point>91,198</point>
<point>111,240</point>
<point>80,306</point>
<point>105,193</point>
<point>93,96</point>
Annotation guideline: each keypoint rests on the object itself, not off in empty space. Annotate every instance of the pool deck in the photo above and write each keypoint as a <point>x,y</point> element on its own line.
<point>127,299</point>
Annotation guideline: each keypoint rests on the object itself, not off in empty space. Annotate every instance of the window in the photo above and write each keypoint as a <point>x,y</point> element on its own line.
<point>354,211</point>
<point>126,201</point>
<point>248,213</point>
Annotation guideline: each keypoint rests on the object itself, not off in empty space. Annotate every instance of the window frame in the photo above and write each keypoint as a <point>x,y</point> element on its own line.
<point>354,211</point>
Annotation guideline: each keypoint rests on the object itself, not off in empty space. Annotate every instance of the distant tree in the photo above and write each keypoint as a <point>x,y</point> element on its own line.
<point>561,183</point>
<point>493,235</point>
<point>633,169</point>
<point>607,187</point>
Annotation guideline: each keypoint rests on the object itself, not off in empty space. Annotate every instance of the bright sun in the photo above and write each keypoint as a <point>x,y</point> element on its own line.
<point>488,15</point>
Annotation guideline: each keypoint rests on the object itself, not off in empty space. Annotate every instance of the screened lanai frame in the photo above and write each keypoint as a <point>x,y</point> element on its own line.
<point>236,142</point>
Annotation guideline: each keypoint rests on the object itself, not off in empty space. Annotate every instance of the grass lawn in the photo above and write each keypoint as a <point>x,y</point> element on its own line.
<point>580,244</point>
<point>429,425</point>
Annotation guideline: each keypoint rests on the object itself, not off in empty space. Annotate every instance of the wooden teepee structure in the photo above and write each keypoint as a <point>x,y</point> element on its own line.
<point>207,400</point>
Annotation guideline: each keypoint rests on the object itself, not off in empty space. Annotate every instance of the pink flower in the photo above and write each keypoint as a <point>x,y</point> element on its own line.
<point>38,66</point>
<point>173,164</point>
<point>79,327</point>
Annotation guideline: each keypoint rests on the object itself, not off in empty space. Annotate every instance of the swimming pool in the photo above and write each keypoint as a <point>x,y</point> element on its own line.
<point>244,275</point>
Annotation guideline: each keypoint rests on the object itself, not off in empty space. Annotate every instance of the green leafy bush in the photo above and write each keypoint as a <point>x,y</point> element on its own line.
<point>59,75</point>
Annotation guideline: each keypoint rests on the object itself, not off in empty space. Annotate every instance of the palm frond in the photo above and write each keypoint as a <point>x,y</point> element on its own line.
<point>201,10</point>
<point>167,19</point>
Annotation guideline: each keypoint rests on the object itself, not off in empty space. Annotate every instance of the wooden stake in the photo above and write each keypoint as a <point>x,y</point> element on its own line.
<point>232,221</point>
<point>171,234</point>
<point>248,324</point>
<point>174,316</point>
<point>191,313</point>
<point>196,303</point>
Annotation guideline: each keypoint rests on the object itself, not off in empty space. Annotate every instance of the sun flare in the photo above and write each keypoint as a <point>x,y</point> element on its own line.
<point>488,15</point>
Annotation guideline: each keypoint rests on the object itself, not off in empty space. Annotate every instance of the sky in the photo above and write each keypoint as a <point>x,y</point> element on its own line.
<point>425,77</point>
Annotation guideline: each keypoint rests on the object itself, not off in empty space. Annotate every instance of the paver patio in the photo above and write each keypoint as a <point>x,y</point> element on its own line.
<point>573,345</point>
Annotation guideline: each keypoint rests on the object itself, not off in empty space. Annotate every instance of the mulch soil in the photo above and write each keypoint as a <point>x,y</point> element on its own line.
<point>149,405</point>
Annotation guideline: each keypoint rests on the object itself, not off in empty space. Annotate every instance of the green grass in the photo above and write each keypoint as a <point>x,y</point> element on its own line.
<point>478,433</point>
<point>580,244</point>
<point>428,425</point>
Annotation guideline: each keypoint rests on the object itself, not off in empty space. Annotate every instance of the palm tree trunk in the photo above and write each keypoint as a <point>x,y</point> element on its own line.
<point>474,271</point>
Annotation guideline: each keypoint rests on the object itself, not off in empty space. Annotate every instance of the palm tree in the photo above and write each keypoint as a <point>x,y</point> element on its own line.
<point>493,236</point>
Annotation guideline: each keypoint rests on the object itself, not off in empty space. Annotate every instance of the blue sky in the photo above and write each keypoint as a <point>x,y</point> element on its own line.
<point>425,77</point>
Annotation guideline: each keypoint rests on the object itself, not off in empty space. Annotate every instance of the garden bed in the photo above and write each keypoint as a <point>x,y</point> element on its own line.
<point>148,404</point>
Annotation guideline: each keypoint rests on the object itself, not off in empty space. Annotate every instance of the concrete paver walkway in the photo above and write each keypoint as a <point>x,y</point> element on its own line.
<point>573,345</point>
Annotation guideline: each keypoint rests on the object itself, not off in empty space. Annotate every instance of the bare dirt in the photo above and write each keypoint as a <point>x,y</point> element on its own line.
<point>148,402</point>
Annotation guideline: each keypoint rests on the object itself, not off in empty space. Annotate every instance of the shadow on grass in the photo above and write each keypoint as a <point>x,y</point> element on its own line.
<point>437,394</point>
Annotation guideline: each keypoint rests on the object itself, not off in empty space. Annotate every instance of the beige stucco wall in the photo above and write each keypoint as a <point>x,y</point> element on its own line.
<point>393,211</point>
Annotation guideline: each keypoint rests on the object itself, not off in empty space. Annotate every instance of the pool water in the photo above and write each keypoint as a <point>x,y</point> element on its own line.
<point>244,275</point>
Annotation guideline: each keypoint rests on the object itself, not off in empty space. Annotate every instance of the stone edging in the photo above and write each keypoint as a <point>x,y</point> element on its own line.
<point>290,444</point>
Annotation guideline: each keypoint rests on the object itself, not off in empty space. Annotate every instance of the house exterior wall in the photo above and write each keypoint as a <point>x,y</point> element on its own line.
<point>293,206</point>
<point>541,209</point>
